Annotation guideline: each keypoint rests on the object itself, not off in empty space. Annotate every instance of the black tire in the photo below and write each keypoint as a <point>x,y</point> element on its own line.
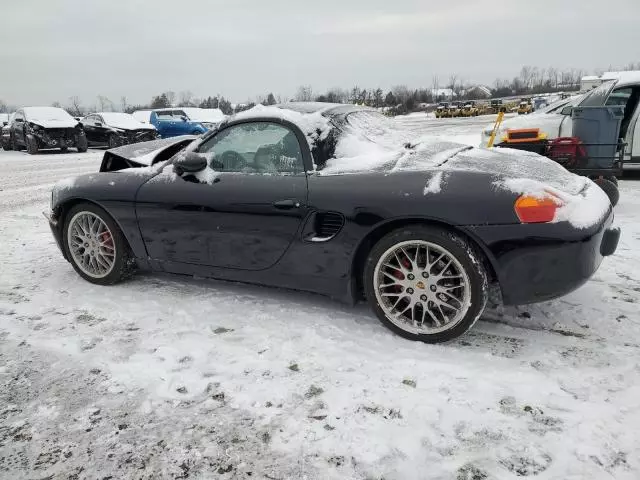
<point>610,188</point>
<point>113,141</point>
<point>64,149</point>
<point>7,146</point>
<point>462,250</point>
<point>82,145</point>
<point>32,145</point>
<point>14,144</point>
<point>613,180</point>
<point>124,262</point>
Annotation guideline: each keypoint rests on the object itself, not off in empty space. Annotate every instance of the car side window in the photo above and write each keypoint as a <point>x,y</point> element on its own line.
<point>19,117</point>
<point>619,97</point>
<point>255,147</point>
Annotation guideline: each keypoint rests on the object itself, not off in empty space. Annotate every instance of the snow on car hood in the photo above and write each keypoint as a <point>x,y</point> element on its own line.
<point>124,121</point>
<point>49,117</point>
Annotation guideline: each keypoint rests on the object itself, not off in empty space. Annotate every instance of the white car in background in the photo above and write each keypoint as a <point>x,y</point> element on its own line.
<point>555,120</point>
<point>208,117</point>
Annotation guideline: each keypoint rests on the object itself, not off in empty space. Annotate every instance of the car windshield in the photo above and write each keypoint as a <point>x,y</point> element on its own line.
<point>171,114</point>
<point>120,120</point>
<point>46,114</point>
<point>376,127</point>
<point>598,96</point>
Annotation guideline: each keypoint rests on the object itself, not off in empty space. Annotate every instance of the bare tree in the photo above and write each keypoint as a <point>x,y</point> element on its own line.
<point>123,103</point>
<point>56,104</point>
<point>171,97</point>
<point>401,93</point>
<point>105,104</point>
<point>75,106</point>
<point>304,94</point>
<point>435,87</point>
<point>453,81</point>
<point>185,98</point>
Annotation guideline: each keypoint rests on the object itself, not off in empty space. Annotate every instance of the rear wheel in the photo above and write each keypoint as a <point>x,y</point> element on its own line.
<point>610,188</point>
<point>7,146</point>
<point>426,283</point>
<point>95,245</point>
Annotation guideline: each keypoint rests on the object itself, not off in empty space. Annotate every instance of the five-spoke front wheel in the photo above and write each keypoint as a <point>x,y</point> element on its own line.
<point>426,283</point>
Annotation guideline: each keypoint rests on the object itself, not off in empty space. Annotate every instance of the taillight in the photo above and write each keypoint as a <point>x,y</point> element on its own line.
<point>531,209</point>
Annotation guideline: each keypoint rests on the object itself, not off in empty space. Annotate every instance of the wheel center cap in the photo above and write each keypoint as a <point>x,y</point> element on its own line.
<point>420,285</point>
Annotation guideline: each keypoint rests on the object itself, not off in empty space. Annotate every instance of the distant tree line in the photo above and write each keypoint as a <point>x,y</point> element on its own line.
<point>399,99</point>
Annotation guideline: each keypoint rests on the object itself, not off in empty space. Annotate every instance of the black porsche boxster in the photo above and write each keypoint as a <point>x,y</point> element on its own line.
<point>339,200</point>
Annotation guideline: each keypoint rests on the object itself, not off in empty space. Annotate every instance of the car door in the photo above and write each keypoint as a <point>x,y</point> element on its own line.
<point>102,130</point>
<point>88,125</point>
<point>164,122</point>
<point>242,215</point>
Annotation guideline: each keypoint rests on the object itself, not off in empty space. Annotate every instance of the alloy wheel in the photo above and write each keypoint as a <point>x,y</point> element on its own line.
<point>421,287</point>
<point>91,244</point>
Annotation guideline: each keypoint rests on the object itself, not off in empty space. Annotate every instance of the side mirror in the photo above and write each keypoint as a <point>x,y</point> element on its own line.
<point>568,110</point>
<point>184,119</point>
<point>191,163</point>
<point>4,124</point>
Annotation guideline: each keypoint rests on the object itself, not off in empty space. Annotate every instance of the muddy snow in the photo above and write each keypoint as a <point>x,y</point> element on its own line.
<point>170,377</point>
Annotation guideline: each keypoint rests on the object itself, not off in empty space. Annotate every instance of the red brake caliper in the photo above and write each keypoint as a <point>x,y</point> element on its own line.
<point>399,275</point>
<point>107,240</point>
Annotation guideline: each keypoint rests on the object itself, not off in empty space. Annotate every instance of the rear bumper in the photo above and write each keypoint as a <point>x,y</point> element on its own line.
<point>537,267</point>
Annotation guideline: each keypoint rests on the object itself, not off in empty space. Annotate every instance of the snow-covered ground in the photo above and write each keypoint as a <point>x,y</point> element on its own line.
<point>170,377</point>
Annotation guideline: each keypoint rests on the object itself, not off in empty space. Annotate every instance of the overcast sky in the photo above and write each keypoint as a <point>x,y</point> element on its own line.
<point>51,50</point>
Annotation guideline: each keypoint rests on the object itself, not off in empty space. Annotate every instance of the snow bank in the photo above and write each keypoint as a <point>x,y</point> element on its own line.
<point>583,210</point>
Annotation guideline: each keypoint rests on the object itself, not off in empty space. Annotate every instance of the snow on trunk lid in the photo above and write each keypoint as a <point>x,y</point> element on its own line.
<point>508,163</point>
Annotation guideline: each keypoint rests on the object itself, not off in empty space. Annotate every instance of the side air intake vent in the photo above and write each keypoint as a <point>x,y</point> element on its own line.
<point>327,226</point>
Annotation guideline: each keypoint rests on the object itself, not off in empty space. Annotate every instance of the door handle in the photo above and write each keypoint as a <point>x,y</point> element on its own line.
<point>286,204</point>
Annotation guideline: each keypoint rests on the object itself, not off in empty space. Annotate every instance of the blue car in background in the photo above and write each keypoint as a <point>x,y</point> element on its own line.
<point>170,122</point>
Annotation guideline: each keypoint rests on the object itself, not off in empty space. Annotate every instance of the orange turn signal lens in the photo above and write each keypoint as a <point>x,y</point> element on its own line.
<point>532,209</point>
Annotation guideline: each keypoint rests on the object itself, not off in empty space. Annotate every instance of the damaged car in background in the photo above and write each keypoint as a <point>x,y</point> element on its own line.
<point>112,129</point>
<point>341,201</point>
<point>5,138</point>
<point>36,128</point>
